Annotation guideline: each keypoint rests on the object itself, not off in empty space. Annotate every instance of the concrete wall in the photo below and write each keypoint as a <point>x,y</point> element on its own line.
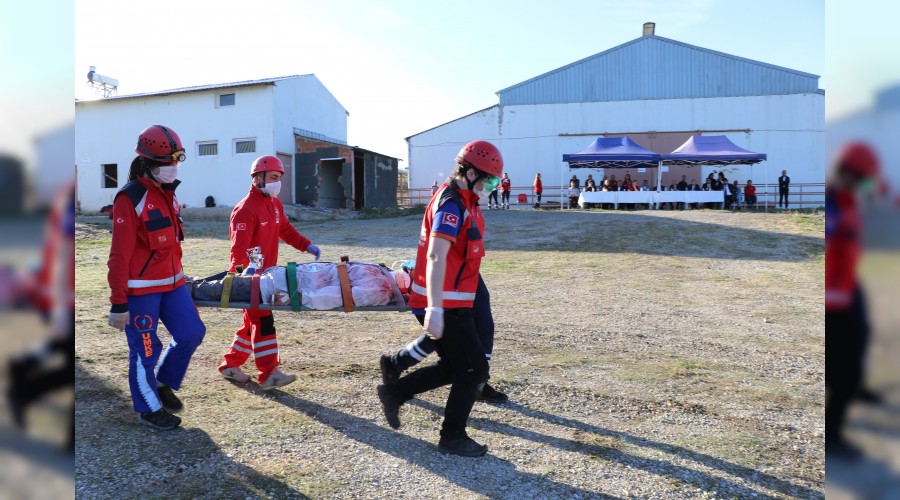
<point>789,128</point>
<point>305,103</point>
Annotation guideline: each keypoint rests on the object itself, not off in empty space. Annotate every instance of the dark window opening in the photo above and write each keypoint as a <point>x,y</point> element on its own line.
<point>110,175</point>
<point>226,100</point>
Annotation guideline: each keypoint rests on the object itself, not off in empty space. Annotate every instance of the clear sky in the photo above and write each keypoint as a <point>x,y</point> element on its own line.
<point>404,66</point>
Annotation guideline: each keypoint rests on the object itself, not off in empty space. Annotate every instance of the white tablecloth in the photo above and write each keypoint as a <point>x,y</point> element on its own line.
<point>646,197</point>
<point>691,196</point>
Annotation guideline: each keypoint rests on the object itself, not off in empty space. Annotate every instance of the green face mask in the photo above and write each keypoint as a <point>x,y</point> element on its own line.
<point>490,183</point>
<point>867,186</point>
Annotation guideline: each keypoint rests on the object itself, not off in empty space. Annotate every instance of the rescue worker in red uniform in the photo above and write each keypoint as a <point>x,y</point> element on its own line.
<point>38,372</point>
<point>846,324</point>
<point>258,220</point>
<point>443,290</point>
<point>146,278</point>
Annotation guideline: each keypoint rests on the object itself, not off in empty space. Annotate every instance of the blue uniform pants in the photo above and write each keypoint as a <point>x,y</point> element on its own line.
<point>147,362</point>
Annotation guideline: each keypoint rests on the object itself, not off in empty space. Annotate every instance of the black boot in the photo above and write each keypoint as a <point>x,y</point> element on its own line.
<point>491,395</point>
<point>464,446</point>
<point>389,373</point>
<point>160,419</point>
<point>169,400</point>
<point>391,399</point>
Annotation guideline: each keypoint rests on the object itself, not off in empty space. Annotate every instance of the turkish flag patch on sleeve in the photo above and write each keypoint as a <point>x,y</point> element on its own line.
<point>240,226</point>
<point>451,220</point>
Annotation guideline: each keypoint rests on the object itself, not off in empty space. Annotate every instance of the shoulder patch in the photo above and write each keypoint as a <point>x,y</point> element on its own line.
<point>134,190</point>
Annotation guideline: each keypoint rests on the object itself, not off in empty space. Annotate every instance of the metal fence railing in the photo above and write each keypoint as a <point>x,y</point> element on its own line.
<point>802,195</point>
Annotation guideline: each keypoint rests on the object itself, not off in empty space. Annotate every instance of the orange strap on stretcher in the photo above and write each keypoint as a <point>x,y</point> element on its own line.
<point>254,291</point>
<point>344,278</point>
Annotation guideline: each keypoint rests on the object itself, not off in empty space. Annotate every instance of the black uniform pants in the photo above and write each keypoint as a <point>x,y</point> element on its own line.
<point>846,340</point>
<point>462,364</point>
<point>783,196</point>
<point>484,325</point>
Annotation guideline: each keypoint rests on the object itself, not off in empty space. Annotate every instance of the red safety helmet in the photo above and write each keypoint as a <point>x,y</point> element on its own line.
<point>859,158</point>
<point>482,155</point>
<point>266,163</point>
<point>160,144</point>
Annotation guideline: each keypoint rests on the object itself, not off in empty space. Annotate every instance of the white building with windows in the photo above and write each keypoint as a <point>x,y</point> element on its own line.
<point>223,128</point>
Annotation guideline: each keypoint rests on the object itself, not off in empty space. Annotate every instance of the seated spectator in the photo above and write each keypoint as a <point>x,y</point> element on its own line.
<point>750,194</point>
<point>589,187</point>
<point>727,189</point>
<point>574,192</point>
<point>645,186</point>
<point>693,186</point>
<point>613,183</point>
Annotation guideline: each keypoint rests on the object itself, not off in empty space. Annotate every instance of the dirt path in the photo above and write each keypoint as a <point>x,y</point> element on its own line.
<point>647,354</point>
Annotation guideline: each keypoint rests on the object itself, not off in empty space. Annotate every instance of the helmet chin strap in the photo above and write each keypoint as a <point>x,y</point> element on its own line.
<point>262,187</point>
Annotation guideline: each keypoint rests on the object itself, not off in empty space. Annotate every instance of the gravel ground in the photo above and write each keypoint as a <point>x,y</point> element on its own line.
<point>647,354</point>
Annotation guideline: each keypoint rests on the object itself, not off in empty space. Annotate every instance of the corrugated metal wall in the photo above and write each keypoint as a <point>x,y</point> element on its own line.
<point>653,67</point>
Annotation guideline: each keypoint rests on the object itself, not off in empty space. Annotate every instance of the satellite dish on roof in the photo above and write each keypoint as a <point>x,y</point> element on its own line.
<point>103,84</point>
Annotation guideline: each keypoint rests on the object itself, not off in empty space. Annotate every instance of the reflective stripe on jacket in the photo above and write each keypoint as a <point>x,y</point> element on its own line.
<point>464,256</point>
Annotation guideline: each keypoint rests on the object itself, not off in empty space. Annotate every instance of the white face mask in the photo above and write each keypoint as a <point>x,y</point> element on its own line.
<point>167,174</point>
<point>273,188</point>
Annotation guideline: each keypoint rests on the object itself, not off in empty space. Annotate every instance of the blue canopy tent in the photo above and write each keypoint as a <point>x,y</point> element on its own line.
<point>714,150</point>
<point>612,152</point>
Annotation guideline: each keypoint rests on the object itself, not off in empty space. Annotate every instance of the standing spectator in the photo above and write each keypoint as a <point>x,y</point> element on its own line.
<point>505,190</point>
<point>682,186</point>
<point>573,194</point>
<point>434,188</point>
<point>538,189</point>
<point>492,198</point>
<point>146,279</point>
<point>736,190</point>
<point>750,194</point>
<point>784,187</point>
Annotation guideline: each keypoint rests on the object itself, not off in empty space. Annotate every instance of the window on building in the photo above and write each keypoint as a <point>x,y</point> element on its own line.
<point>244,146</point>
<point>226,99</point>
<point>110,175</point>
<point>210,148</point>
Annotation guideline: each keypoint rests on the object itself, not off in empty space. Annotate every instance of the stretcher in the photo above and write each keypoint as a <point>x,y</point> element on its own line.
<point>321,286</point>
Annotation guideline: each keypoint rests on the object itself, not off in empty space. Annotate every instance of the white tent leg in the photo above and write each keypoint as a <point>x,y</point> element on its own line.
<point>658,181</point>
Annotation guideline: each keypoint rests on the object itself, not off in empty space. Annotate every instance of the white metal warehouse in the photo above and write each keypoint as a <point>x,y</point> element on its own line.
<point>657,91</point>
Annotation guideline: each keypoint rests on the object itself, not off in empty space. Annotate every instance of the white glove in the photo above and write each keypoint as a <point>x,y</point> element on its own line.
<point>118,320</point>
<point>434,322</point>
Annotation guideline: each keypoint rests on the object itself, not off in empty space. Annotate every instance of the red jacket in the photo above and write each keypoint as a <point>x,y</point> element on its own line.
<point>259,220</point>
<point>843,248</point>
<point>505,185</point>
<point>463,259</point>
<point>538,186</point>
<point>750,190</point>
<point>145,255</point>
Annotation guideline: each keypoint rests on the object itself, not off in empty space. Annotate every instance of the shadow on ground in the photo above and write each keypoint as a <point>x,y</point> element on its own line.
<point>458,470</point>
<point>654,466</point>
<point>183,463</point>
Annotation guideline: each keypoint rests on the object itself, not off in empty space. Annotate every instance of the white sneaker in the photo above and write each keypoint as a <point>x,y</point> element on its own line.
<point>277,379</point>
<point>234,373</point>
